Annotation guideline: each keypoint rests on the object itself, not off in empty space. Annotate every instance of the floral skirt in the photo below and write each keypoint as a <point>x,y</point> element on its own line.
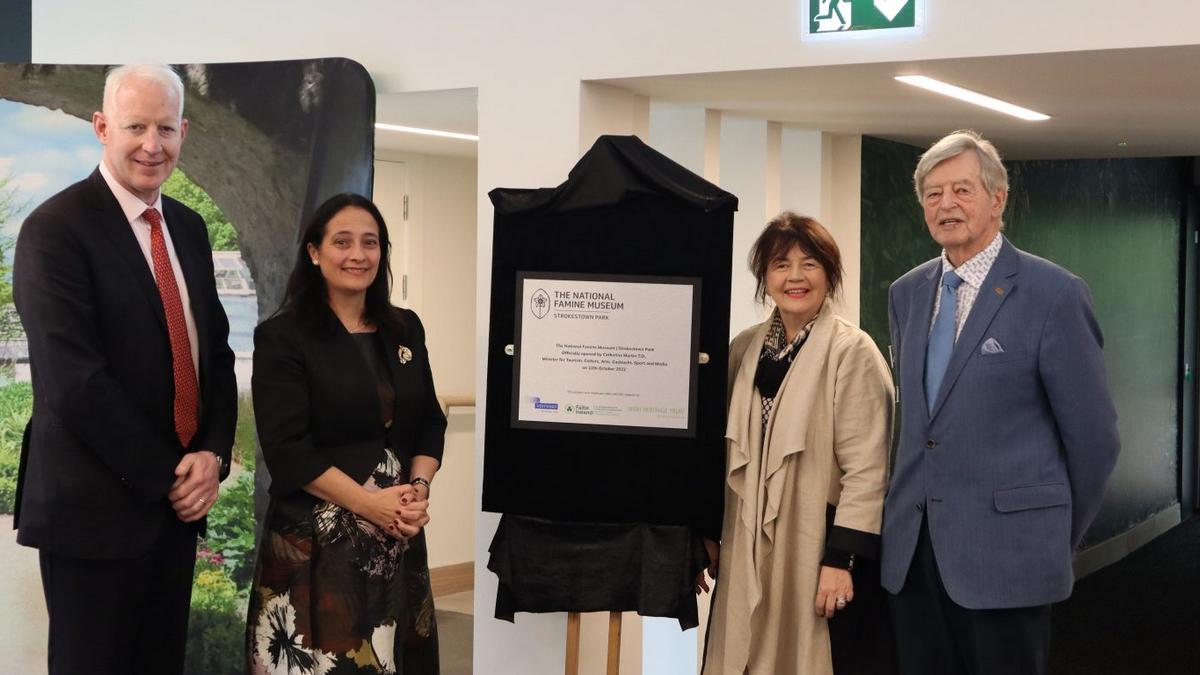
<point>333,594</point>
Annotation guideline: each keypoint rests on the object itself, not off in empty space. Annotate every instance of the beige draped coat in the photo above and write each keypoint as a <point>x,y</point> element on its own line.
<point>827,441</point>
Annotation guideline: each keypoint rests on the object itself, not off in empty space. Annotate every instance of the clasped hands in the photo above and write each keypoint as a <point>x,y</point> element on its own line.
<point>197,481</point>
<point>400,511</point>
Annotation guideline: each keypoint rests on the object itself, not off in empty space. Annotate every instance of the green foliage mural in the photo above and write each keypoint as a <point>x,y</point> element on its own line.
<point>16,400</point>
<point>216,626</point>
<point>221,235</point>
<point>225,564</point>
<point>11,204</point>
<point>221,583</point>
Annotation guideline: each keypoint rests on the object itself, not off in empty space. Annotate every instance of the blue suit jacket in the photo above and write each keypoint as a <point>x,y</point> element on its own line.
<point>1010,466</point>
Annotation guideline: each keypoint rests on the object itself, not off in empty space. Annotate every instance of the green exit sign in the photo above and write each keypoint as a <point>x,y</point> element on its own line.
<point>843,19</point>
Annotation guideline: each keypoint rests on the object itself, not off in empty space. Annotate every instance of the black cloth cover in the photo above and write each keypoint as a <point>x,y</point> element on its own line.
<point>552,566</point>
<point>624,209</point>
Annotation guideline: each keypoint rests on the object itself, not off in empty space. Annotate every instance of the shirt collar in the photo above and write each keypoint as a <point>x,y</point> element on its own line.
<point>131,205</point>
<point>975,270</point>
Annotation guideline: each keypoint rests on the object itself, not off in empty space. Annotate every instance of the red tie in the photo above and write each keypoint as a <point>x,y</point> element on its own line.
<point>187,392</point>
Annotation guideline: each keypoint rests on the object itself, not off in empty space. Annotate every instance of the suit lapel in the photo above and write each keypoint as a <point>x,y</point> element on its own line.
<point>997,286</point>
<point>117,229</point>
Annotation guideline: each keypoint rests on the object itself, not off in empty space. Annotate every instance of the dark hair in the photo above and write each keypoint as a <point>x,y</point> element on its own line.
<point>787,230</point>
<point>306,293</point>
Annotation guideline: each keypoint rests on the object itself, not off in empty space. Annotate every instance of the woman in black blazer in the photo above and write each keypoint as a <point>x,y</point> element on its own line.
<point>352,434</point>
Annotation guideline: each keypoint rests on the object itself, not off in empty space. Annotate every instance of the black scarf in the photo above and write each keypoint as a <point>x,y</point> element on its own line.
<point>777,355</point>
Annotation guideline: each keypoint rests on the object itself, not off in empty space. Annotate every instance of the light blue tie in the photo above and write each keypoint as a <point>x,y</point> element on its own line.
<point>941,338</point>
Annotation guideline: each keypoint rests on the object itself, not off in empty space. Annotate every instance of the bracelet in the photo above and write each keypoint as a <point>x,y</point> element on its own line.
<point>422,481</point>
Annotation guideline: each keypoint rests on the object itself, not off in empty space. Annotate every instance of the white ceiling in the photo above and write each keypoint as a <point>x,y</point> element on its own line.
<point>1148,99</point>
<point>445,110</point>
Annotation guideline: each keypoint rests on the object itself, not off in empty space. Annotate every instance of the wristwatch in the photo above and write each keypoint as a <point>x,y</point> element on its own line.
<point>222,463</point>
<point>422,481</point>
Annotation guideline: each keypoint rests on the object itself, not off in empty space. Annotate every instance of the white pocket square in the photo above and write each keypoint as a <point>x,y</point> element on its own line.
<point>990,346</point>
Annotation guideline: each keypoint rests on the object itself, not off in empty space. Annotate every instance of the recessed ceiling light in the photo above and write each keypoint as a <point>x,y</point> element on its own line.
<point>426,132</point>
<point>972,97</point>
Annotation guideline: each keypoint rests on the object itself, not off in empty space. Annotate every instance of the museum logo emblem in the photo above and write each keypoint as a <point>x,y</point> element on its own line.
<point>539,303</point>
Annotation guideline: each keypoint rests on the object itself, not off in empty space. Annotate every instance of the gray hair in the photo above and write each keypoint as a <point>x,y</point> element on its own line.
<point>161,74</point>
<point>991,170</point>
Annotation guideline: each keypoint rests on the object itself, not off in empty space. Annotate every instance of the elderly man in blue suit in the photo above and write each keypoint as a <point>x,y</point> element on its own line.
<point>1008,433</point>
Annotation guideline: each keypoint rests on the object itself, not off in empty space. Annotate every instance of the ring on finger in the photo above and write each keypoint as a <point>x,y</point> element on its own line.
<point>840,602</point>
<point>202,500</point>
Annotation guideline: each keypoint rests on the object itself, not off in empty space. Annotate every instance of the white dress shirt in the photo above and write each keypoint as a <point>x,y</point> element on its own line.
<point>973,273</point>
<point>134,207</point>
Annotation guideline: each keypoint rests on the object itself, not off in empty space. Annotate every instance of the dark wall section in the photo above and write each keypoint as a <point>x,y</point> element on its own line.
<point>894,238</point>
<point>16,31</point>
<point>1116,223</point>
<point>1189,387</point>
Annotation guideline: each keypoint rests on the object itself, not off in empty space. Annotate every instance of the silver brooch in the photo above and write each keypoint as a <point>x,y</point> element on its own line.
<point>405,354</point>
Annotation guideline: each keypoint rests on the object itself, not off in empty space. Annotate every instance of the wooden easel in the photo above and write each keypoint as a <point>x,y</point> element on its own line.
<point>614,643</point>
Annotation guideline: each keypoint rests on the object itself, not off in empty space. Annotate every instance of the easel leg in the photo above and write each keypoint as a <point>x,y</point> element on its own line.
<point>614,643</point>
<point>572,643</point>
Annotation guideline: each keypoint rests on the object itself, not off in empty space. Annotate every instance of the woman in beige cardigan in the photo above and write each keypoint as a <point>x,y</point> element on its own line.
<point>810,419</point>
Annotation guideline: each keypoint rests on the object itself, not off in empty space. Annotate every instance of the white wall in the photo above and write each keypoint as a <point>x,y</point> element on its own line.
<point>528,137</point>
<point>412,45</point>
<point>605,109</point>
<point>678,131</point>
<point>691,136</point>
<point>744,166</point>
<point>801,174</point>
<point>435,248</point>
<point>844,221</point>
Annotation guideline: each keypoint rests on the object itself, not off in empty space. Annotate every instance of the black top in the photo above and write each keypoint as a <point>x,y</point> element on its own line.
<point>372,350</point>
<point>317,405</point>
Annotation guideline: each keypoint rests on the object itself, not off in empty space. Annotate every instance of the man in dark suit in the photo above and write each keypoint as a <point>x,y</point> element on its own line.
<point>134,393</point>
<point>1008,433</point>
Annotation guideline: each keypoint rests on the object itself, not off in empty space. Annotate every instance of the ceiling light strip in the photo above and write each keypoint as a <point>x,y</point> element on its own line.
<point>972,97</point>
<point>426,132</point>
